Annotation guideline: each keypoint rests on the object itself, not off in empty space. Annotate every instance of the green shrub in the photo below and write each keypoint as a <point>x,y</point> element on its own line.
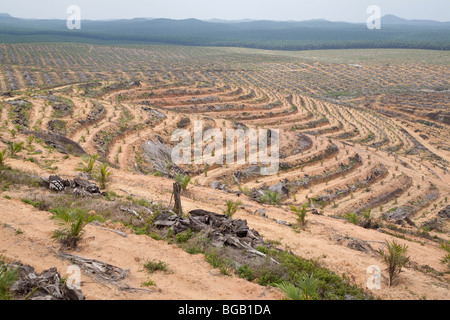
<point>155,236</point>
<point>183,237</point>
<point>246,273</point>
<point>35,204</point>
<point>293,269</point>
<point>153,266</point>
<point>267,277</point>
<point>142,202</point>
<point>217,260</point>
<point>10,177</point>
<point>148,283</point>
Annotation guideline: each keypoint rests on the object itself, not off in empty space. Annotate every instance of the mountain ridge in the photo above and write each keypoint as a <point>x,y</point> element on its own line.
<point>262,34</point>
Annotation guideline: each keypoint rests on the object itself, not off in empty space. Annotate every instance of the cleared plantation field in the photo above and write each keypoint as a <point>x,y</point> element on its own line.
<point>360,131</point>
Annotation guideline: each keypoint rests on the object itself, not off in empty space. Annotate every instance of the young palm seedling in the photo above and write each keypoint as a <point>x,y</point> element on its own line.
<point>306,289</point>
<point>301,213</point>
<point>103,175</point>
<point>88,165</point>
<point>8,277</point>
<point>72,224</point>
<point>3,157</point>
<point>270,197</point>
<point>352,217</point>
<point>395,257</point>
<point>14,148</point>
<point>232,208</point>
<point>183,180</point>
<point>446,258</point>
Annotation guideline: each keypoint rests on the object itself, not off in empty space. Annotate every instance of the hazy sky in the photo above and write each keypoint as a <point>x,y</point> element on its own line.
<point>335,10</point>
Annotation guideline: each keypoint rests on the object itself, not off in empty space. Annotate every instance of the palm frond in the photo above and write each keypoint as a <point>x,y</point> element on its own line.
<point>8,277</point>
<point>290,291</point>
<point>309,286</point>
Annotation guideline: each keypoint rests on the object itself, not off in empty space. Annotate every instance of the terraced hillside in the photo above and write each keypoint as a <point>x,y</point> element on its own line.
<point>360,132</point>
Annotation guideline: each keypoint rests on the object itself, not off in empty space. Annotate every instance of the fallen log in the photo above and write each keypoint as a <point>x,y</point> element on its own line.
<point>100,271</point>
<point>131,211</point>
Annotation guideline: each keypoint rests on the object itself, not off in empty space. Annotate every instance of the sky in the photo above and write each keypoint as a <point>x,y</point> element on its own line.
<point>298,10</point>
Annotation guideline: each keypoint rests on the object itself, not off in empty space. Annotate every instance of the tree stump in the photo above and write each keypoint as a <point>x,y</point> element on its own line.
<point>177,199</point>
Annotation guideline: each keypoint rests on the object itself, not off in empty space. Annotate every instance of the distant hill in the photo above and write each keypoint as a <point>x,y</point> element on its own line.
<point>394,20</point>
<point>281,35</point>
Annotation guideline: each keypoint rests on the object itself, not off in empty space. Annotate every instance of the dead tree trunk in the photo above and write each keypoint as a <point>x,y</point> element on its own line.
<point>177,199</point>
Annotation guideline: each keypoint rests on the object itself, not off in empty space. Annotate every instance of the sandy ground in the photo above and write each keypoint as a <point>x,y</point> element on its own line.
<point>188,276</point>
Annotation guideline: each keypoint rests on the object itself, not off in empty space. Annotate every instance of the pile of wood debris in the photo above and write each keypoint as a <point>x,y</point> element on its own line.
<point>220,229</point>
<point>45,286</point>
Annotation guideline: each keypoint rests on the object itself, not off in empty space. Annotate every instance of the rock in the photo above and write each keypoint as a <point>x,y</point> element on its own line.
<point>154,113</point>
<point>445,213</point>
<point>59,142</point>
<point>284,223</point>
<point>246,173</point>
<point>261,212</point>
<point>368,224</point>
<point>280,188</point>
<point>398,214</point>
<point>217,185</point>
<point>183,123</point>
